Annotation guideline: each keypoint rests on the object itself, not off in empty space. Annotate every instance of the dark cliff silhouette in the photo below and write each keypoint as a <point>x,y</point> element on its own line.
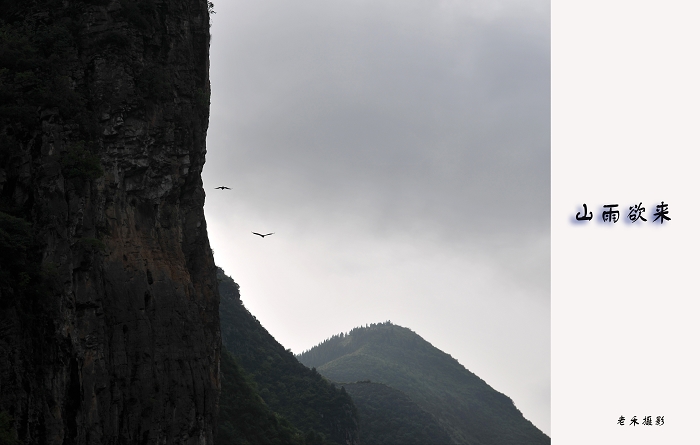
<point>109,327</point>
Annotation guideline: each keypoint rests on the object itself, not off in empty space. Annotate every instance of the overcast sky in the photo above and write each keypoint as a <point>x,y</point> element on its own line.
<point>400,152</point>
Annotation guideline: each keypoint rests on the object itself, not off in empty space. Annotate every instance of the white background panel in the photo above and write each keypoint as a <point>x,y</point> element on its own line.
<point>625,296</point>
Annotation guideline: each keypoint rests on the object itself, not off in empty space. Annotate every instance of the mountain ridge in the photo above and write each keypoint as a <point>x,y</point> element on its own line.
<point>465,405</point>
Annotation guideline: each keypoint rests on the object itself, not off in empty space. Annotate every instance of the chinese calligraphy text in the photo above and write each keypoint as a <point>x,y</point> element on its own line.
<point>610,214</point>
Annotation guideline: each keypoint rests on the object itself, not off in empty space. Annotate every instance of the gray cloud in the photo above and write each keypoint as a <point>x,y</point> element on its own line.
<point>418,131</point>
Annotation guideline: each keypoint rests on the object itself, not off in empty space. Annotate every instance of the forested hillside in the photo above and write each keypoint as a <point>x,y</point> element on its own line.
<point>467,408</point>
<point>322,411</point>
<point>389,417</point>
<point>244,418</point>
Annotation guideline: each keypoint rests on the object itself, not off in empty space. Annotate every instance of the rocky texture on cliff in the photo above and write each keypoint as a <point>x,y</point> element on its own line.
<point>109,323</point>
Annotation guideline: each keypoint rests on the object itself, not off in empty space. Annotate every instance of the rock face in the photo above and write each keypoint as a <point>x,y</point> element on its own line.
<point>102,144</point>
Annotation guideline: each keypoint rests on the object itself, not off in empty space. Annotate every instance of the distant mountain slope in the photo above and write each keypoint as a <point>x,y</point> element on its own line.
<point>389,417</point>
<point>467,408</point>
<point>299,394</point>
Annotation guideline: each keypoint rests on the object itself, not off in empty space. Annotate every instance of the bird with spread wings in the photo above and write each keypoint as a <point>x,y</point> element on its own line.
<point>261,235</point>
<point>223,188</point>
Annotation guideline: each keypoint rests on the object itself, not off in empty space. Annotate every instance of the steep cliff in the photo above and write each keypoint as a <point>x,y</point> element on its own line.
<point>109,324</point>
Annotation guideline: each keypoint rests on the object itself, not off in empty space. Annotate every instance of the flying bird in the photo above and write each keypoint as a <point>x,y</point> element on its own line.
<point>223,188</point>
<point>261,235</point>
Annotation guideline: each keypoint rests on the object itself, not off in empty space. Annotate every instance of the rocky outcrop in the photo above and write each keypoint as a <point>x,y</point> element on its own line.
<point>112,334</point>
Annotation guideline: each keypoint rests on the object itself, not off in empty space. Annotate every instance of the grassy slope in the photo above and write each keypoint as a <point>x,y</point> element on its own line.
<point>466,407</point>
